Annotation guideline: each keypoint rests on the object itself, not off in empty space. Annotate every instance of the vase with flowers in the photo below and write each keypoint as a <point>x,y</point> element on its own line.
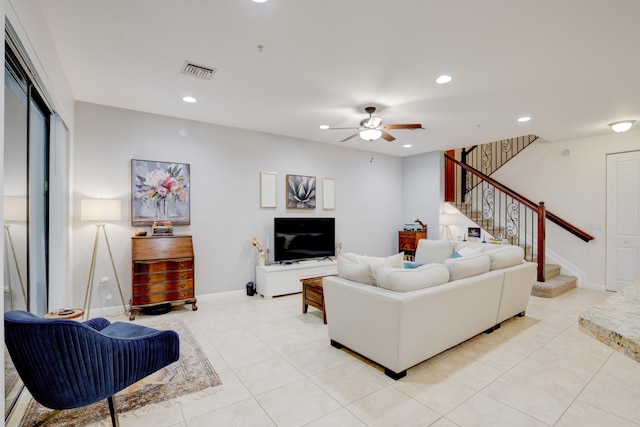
<point>261,255</point>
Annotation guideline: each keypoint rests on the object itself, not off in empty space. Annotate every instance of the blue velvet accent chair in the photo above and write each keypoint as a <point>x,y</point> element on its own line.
<point>67,364</point>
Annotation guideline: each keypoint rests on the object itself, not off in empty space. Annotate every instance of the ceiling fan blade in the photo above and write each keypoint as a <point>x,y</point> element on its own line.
<point>352,136</point>
<point>407,126</point>
<point>387,136</point>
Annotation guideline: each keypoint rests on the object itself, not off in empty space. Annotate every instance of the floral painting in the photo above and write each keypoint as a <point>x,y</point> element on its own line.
<point>159,192</point>
<point>301,192</point>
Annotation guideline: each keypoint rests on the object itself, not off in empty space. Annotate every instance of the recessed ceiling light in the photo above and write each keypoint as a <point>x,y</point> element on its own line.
<point>259,1</point>
<point>406,146</point>
<point>524,119</point>
<point>324,126</point>
<point>622,126</point>
<point>443,79</point>
<point>189,99</point>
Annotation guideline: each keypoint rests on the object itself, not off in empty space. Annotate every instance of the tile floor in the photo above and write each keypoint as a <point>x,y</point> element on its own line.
<point>278,369</point>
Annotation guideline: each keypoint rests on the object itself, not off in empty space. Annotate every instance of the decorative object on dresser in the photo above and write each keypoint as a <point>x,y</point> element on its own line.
<point>159,192</point>
<point>100,210</point>
<point>408,242</point>
<point>162,272</point>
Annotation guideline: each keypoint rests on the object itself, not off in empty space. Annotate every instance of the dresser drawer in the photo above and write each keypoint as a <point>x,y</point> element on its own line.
<point>162,297</point>
<point>162,277</point>
<point>181,285</point>
<point>153,267</point>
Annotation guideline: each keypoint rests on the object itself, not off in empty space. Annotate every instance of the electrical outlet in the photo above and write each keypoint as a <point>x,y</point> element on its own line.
<point>104,281</point>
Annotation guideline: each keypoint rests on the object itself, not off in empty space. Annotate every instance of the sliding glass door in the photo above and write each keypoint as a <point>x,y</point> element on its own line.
<point>26,172</point>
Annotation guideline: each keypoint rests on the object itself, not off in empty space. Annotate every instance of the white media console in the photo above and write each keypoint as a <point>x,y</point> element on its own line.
<point>282,279</point>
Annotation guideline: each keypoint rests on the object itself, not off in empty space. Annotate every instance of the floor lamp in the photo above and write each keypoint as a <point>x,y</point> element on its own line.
<point>15,210</point>
<point>446,221</point>
<point>100,210</point>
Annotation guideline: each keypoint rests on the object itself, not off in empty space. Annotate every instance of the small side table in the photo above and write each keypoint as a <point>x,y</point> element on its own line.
<point>312,294</point>
<point>65,313</point>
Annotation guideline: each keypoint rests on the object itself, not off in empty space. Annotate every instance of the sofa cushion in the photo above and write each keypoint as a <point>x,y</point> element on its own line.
<point>505,256</point>
<point>430,251</point>
<point>407,280</point>
<point>467,266</point>
<point>363,269</point>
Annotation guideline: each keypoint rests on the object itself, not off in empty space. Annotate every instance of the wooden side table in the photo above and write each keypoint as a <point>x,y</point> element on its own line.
<point>312,294</point>
<point>65,313</point>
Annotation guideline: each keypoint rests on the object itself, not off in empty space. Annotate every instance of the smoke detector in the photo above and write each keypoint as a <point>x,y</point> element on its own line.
<point>200,71</point>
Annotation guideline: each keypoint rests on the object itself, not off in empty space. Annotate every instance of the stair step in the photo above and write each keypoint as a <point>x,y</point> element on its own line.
<point>551,271</point>
<point>553,287</point>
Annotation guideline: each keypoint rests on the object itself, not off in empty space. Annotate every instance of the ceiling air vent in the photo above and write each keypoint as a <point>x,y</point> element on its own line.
<point>199,71</point>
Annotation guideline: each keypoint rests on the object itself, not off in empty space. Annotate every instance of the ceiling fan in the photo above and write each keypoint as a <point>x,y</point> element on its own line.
<point>372,128</point>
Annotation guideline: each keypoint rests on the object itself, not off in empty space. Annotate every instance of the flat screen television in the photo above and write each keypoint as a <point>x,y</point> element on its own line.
<point>303,238</point>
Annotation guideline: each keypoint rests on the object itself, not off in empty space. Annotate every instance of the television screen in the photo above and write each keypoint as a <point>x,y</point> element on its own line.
<point>303,238</point>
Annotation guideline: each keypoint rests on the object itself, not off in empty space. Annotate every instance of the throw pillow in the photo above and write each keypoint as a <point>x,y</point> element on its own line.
<point>430,251</point>
<point>467,266</point>
<point>409,264</point>
<point>467,251</point>
<point>350,268</point>
<point>376,263</point>
<point>407,280</point>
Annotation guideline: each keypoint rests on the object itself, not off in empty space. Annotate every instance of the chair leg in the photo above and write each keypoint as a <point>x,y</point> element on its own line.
<point>47,418</point>
<point>112,411</point>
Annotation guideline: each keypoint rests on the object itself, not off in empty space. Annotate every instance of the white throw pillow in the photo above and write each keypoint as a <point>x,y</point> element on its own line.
<point>407,280</point>
<point>430,251</point>
<point>467,266</point>
<point>362,268</point>
<point>506,256</point>
<point>351,269</point>
<point>376,263</point>
<point>467,251</point>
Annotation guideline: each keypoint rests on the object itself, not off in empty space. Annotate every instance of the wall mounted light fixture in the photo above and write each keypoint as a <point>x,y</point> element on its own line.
<point>621,126</point>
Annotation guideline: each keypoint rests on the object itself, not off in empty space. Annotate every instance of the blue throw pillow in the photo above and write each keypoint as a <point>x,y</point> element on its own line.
<point>409,264</point>
<point>456,255</point>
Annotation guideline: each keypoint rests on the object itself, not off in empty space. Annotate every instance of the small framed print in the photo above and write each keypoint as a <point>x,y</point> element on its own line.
<point>268,190</point>
<point>301,192</point>
<point>328,193</point>
<point>474,232</point>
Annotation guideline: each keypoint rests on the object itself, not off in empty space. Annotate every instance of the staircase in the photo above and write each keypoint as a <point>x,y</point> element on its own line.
<point>501,212</point>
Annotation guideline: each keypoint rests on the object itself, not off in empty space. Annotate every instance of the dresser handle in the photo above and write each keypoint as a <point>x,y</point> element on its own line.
<point>183,275</point>
<point>147,289</point>
<point>182,265</point>
<point>182,285</point>
<point>182,295</point>
<point>147,278</point>
<point>147,300</point>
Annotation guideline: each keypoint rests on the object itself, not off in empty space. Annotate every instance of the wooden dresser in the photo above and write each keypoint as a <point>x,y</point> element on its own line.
<point>162,272</point>
<point>408,242</point>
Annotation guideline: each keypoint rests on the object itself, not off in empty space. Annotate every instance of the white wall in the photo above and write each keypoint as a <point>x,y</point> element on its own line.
<point>225,164</point>
<point>422,190</point>
<point>573,187</point>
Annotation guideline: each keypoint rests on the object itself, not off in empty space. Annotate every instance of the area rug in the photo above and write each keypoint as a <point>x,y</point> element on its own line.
<point>190,374</point>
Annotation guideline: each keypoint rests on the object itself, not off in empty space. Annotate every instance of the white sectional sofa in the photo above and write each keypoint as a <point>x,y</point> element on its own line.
<point>399,317</point>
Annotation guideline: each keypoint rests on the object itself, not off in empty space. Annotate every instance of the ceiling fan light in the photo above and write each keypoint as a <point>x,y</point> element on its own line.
<point>370,134</point>
<point>622,126</point>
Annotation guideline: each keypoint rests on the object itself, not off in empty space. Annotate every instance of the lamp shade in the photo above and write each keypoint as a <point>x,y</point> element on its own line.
<point>15,209</point>
<point>100,210</point>
<point>370,134</point>
<point>448,219</point>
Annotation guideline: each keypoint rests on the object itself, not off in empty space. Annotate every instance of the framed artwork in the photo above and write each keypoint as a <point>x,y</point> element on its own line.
<point>268,189</point>
<point>474,232</point>
<point>160,191</point>
<point>328,193</point>
<point>301,192</point>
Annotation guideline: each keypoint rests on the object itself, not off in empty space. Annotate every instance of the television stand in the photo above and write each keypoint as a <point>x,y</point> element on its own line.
<point>276,279</point>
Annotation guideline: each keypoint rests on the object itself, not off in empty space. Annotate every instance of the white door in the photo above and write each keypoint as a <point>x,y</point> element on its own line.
<point>623,220</point>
